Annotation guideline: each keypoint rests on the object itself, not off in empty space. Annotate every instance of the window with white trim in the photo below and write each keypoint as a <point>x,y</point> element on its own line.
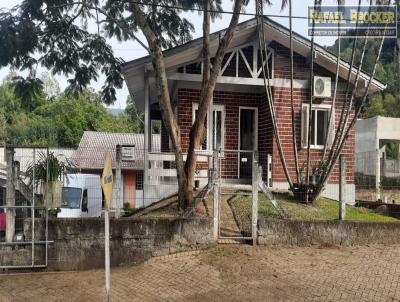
<point>215,127</point>
<point>319,126</point>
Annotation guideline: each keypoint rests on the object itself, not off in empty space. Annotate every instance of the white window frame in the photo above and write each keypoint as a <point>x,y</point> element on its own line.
<point>319,107</point>
<point>210,139</point>
<point>152,123</point>
<point>255,109</point>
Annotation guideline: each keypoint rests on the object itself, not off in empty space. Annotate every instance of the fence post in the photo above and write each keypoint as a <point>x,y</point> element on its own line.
<point>378,174</point>
<point>10,191</point>
<point>118,179</point>
<point>254,208</point>
<point>215,179</point>
<point>342,187</point>
<point>33,206</point>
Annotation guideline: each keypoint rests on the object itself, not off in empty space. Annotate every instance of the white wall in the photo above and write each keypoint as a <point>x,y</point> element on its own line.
<point>331,191</point>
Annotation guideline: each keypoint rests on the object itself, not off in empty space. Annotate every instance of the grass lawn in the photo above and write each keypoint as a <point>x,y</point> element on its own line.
<point>325,209</point>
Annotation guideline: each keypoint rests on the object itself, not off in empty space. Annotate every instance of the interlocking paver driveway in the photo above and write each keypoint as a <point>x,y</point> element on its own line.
<point>229,273</point>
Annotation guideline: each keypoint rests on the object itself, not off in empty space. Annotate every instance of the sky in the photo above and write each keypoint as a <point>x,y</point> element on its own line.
<point>131,50</point>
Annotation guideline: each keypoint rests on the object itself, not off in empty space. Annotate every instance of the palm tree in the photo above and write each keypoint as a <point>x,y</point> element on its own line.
<point>48,171</point>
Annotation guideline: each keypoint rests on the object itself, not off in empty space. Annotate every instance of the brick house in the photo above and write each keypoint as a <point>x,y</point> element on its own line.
<point>239,117</point>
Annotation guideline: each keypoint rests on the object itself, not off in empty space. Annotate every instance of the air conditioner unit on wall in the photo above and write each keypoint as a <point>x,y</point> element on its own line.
<point>322,87</point>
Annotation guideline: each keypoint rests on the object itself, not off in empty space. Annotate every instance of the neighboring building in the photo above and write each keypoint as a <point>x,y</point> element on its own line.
<point>90,157</point>
<point>372,135</point>
<point>240,112</point>
<point>25,157</point>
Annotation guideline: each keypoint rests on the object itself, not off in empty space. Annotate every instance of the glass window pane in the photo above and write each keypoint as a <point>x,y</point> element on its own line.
<point>322,123</point>
<point>139,181</point>
<point>312,127</point>
<point>204,141</point>
<point>217,129</point>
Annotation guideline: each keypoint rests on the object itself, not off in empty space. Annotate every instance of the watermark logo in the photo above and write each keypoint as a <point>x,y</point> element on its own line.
<point>354,21</point>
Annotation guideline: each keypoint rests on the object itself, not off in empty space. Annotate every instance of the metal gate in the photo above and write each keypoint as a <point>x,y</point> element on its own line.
<point>24,222</point>
<point>235,187</point>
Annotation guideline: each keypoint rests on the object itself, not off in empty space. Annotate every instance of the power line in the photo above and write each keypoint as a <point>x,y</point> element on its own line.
<point>212,11</point>
<point>224,12</point>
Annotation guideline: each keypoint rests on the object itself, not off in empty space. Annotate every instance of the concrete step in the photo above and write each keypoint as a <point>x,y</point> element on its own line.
<point>233,241</point>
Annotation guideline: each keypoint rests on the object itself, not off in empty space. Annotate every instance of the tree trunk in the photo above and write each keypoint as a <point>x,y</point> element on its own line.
<point>339,128</point>
<point>294,135</point>
<point>334,92</point>
<point>186,171</point>
<point>350,127</point>
<point>308,168</point>
<point>341,133</point>
<point>267,86</point>
<point>208,86</point>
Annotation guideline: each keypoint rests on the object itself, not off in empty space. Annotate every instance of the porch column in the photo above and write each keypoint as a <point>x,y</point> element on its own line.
<point>146,135</point>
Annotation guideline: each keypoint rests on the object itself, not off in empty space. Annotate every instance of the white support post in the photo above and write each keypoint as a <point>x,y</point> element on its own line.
<point>118,178</point>
<point>342,188</point>
<point>215,179</point>
<point>10,197</point>
<point>254,209</point>
<point>378,174</point>
<point>107,254</point>
<point>33,207</point>
<point>269,171</point>
<point>146,135</point>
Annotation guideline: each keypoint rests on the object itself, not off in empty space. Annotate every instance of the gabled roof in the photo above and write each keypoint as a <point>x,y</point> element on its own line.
<point>93,145</point>
<point>245,31</point>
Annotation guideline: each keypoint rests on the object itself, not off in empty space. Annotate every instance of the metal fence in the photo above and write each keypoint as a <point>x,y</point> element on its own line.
<point>22,243</point>
<point>235,194</point>
<point>161,182</point>
<point>377,178</point>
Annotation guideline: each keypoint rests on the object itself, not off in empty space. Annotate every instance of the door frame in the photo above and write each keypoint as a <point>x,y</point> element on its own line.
<point>255,109</point>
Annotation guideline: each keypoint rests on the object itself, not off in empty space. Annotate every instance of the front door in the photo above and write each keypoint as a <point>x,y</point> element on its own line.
<point>247,140</point>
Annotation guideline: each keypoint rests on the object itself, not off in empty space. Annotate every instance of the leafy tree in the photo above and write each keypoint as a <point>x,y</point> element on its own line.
<point>57,121</point>
<point>392,150</point>
<point>133,117</point>
<point>47,29</point>
<point>387,102</point>
<point>29,90</point>
<point>383,105</point>
<point>51,87</point>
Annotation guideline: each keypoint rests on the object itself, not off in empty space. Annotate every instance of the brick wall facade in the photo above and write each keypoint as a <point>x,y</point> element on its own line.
<point>231,101</point>
<point>283,112</point>
<point>266,143</point>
